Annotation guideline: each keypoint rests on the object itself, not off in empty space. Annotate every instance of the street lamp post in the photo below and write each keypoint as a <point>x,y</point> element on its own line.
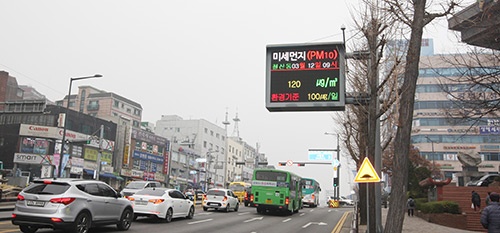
<point>61,153</point>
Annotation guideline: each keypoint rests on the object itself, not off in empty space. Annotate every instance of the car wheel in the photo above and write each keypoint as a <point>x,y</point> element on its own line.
<point>170,213</point>
<point>27,229</point>
<point>191,213</point>
<point>125,220</point>
<point>246,203</point>
<point>205,208</point>
<point>82,223</point>
<point>237,207</point>
<point>227,208</point>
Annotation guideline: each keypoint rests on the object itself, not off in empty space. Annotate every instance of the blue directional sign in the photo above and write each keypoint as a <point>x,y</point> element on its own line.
<point>320,155</point>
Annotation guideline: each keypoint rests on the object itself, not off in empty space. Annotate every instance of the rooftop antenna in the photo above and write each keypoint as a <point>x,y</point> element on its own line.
<point>236,131</point>
<point>226,122</point>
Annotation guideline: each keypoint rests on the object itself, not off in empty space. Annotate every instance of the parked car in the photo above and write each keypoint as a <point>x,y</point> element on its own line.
<point>220,199</point>
<point>343,201</point>
<point>74,205</point>
<point>162,203</point>
<point>484,181</point>
<point>135,186</point>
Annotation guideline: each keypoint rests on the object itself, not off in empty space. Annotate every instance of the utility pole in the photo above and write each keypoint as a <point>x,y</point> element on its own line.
<point>98,169</point>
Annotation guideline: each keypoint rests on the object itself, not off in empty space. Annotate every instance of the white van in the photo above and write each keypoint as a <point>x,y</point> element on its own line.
<point>135,186</point>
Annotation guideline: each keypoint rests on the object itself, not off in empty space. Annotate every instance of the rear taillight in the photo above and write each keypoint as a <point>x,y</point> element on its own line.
<point>62,200</point>
<point>251,197</point>
<point>312,196</point>
<point>56,220</point>
<point>225,198</point>
<point>130,198</point>
<point>246,195</point>
<point>204,196</point>
<point>287,201</point>
<point>156,201</point>
<point>20,197</point>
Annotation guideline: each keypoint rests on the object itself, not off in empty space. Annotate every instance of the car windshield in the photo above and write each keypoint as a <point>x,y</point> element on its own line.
<point>135,185</point>
<point>216,192</point>
<point>53,188</point>
<point>151,192</point>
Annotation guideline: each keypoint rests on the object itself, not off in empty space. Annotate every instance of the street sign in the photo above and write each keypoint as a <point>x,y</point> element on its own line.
<point>320,155</point>
<point>289,163</point>
<point>366,173</point>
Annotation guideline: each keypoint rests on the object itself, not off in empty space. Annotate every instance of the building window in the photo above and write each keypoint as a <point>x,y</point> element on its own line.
<point>116,104</point>
<point>204,144</point>
<point>129,110</point>
<point>206,130</point>
<point>211,133</point>
<point>137,112</point>
<point>135,123</point>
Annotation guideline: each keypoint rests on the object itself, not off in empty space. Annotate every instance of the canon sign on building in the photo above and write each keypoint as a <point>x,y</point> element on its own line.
<point>50,132</point>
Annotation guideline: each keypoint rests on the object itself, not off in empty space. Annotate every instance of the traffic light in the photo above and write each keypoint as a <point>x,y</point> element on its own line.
<point>301,164</point>
<point>281,163</point>
<point>335,182</point>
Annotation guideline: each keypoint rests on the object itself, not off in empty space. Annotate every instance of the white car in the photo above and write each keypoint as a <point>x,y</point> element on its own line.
<point>162,203</point>
<point>137,185</point>
<point>343,201</point>
<point>220,199</point>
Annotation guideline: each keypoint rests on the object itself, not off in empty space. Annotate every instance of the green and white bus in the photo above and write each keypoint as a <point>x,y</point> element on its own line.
<point>310,192</point>
<point>276,190</point>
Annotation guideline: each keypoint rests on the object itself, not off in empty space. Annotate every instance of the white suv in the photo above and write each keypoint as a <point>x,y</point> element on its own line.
<point>74,205</point>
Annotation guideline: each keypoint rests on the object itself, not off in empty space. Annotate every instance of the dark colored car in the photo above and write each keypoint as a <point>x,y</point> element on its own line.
<point>484,181</point>
<point>248,199</point>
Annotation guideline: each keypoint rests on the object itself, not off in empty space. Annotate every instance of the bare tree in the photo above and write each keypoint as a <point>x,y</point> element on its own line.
<point>415,15</point>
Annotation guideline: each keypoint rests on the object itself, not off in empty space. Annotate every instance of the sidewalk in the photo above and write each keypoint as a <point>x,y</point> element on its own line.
<point>410,225</point>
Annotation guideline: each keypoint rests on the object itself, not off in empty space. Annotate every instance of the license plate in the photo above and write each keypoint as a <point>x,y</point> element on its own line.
<point>35,203</point>
<point>215,204</point>
<point>269,201</point>
<point>141,202</point>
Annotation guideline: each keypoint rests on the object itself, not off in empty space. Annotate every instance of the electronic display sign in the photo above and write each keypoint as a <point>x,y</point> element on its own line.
<point>305,77</point>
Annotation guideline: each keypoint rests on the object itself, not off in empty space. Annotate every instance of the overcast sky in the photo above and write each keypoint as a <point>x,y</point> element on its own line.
<point>195,59</point>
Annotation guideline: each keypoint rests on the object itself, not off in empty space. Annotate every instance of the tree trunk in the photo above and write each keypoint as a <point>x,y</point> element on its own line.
<point>402,141</point>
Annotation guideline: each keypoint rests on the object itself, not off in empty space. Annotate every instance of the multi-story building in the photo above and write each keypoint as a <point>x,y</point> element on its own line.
<point>438,136</point>
<point>207,140</point>
<point>102,104</point>
<point>235,150</point>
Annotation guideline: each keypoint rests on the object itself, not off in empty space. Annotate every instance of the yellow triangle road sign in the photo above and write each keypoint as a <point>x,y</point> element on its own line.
<point>366,173</point>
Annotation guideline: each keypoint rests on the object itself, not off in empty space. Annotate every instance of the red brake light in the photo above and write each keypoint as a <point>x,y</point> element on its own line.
<point>156,201</point>
<point>62,200</point>
<point>225,198</point>
<point>287,201</point>
<point>312,196</point>
<point>204,196</point>
<point>20,197</point>
<point>130,198</point>
<point>56,220</point>
<point>47,181</point>
<point>251,197</point>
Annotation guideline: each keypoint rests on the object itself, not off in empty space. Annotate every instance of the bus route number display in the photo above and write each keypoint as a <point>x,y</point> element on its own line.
<point>305,77</point>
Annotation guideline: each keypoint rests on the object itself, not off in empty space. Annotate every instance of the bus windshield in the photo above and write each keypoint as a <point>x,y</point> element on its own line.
<point>270,176</point>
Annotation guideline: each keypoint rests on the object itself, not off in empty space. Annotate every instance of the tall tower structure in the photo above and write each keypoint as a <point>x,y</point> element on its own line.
<point>226,122</point>
<point>236,130</point>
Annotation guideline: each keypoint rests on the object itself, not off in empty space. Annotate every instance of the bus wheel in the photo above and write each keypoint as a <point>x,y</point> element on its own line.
<point>259,210</point>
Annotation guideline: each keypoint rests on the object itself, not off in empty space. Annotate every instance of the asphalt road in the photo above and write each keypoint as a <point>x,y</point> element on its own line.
<point>313,220</point>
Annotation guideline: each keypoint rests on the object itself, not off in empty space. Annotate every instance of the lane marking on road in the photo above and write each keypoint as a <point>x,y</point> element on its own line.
<point>201,221</point>
<point>340,223</point>
<point>311,210</point>
<point>206,213</point>
<point>253,219</point>
<point>286,220</point>
<point>243,213</point>
<point>317,223</point>
<point>329,211</point>
<point>302,214</point>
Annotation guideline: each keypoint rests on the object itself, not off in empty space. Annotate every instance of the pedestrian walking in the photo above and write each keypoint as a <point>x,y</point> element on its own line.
<point>410,205</point>
<point>476,201</point>
<point>490,216</point>
<point>487,201</point>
